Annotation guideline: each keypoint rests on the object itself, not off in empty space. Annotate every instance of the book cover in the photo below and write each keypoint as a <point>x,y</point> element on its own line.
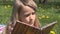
<point>23,28</point>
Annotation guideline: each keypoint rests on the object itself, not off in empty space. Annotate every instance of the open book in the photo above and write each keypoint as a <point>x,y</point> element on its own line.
<point>23,28</point>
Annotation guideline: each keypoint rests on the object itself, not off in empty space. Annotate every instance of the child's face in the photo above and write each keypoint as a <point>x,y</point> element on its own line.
<point>27,15</point>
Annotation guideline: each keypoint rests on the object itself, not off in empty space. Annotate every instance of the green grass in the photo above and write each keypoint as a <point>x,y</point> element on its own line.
<point>51,9</point>
<point>5,13</point>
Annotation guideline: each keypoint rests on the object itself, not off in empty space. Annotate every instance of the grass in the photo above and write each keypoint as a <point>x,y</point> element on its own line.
<point>47,13</point>
<point>5,13</point>
<point>52,10</point>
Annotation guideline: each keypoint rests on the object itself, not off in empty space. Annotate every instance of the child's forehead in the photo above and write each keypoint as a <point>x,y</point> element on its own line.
<point>27,9</point>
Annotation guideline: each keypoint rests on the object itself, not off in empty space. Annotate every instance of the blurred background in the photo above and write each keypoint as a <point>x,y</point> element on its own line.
<point>47,11</point>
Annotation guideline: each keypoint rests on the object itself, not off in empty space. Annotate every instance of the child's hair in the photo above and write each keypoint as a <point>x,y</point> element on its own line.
<point>18,6</point>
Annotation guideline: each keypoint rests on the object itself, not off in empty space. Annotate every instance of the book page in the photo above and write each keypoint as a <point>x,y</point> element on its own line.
<point>47,28</point>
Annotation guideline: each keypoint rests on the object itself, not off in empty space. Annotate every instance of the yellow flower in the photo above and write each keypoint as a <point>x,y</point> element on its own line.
<point>39,17</point>
<point>9,6</point>
<point>47,16</point>
<point>43,16</point>
<point>52,32</point>
<point>5,7</point>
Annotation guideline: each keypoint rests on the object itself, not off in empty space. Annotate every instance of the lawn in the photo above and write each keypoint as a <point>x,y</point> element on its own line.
<point>47,13</point>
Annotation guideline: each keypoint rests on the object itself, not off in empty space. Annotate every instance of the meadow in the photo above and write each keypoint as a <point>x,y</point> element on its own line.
<point>47,13</point>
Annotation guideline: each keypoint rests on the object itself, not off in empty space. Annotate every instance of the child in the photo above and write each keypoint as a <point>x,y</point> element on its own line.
<point>24,13</point>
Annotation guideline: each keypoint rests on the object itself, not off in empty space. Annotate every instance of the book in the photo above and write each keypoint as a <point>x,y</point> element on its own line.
<point>23,28</point>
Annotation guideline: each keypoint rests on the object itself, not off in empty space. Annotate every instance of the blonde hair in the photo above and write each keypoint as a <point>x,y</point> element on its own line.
<point>18,5</point>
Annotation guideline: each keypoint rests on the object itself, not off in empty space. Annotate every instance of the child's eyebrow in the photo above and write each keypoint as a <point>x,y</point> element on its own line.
<point>29,13</point>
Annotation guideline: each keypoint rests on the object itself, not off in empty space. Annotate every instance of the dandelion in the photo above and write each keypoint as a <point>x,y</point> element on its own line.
<point>47,17</point>
<point>39,17</point>
<point>52,32</point>
<point>9,6</point>
<point>43,16</point>
<point>5,7</point>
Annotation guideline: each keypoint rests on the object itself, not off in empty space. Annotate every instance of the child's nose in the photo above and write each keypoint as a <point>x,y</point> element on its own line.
<point>31,17</point>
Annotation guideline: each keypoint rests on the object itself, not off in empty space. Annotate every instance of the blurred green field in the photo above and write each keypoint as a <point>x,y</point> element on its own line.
<point>47,13</point>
